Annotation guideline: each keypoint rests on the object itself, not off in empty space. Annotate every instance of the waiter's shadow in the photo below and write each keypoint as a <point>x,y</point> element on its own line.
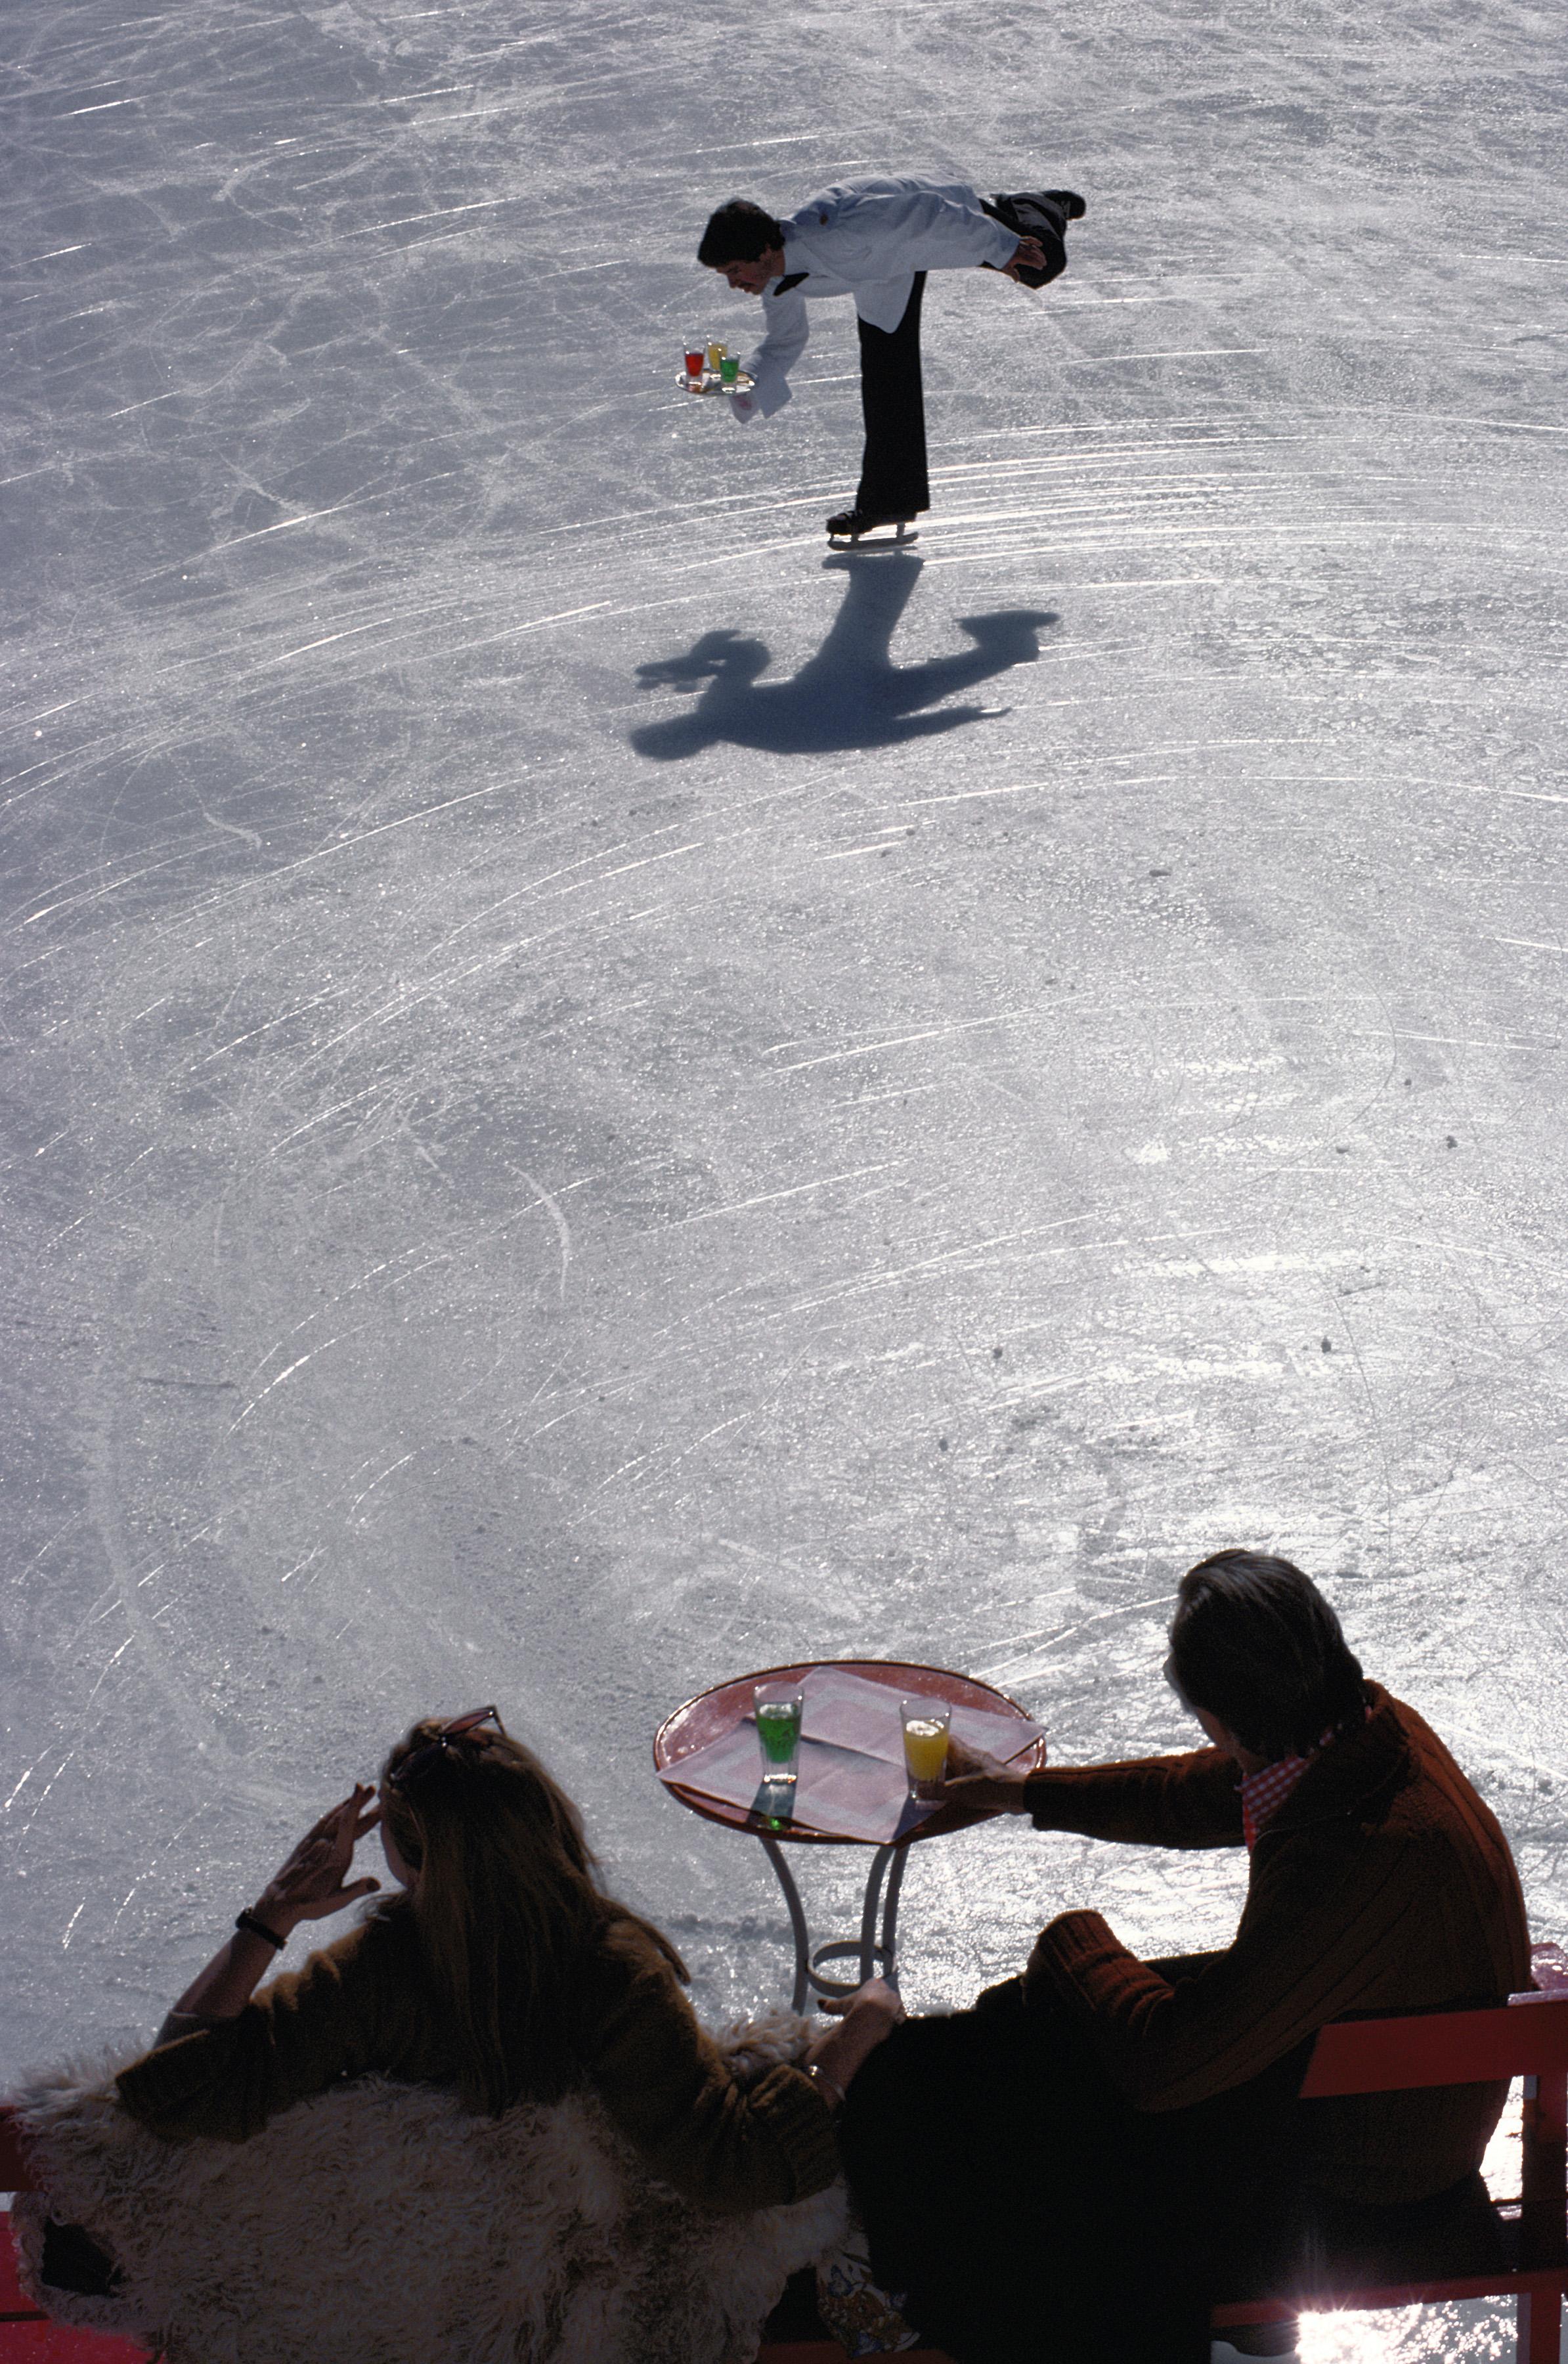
<point>850,694</point>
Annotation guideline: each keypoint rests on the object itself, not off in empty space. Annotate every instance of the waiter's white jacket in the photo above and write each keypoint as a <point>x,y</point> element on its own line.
<point>867,238</point>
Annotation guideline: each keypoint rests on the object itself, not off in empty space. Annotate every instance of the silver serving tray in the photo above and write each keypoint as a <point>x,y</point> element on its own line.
<point>711,383</point>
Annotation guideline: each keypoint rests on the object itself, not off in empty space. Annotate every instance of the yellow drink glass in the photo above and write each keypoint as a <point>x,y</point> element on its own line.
<point>926,1722</point>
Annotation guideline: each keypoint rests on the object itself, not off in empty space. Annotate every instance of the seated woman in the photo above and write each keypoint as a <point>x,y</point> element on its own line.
<point>1131,2139</point>
<point>501,1967</point>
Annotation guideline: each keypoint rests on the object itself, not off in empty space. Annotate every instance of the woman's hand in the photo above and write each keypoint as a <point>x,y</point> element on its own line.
<point>875,1999</point>
<point>868,2017</point>
<point>308,1886</point>
<point>310,1883</point>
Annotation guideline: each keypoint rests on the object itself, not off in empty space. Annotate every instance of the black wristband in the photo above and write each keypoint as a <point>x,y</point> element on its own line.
<point>258,1929</point>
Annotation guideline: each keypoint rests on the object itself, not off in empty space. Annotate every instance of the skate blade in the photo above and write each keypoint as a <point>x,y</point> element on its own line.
<point>879,539</point>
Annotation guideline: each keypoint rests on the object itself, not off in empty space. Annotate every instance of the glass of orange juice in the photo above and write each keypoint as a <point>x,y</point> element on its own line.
<point>926,1722</point>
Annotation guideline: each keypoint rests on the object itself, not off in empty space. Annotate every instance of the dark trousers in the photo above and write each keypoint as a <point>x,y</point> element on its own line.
<point>893,472</point>
<point>1030,2216</point>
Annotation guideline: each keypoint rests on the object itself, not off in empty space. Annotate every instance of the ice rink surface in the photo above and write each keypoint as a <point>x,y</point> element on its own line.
<point>595,1097</point>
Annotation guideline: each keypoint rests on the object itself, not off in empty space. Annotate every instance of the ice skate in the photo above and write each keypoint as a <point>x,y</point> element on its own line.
<point>1071,203</point>
<point>851,529</point>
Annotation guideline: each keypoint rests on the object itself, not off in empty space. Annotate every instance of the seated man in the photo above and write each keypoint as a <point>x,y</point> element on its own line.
<point>1143,2148</point>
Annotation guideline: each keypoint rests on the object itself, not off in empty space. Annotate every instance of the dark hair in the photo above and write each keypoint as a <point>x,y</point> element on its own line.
<point>1255,1644</point>
<point>507,1908</point>
<point>739,232</point>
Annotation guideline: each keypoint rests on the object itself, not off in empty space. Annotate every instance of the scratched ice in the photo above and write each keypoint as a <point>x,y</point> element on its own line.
<point>596,1099</point>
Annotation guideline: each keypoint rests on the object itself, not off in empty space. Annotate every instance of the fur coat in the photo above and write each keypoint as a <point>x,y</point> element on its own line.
<point>381,2223</point>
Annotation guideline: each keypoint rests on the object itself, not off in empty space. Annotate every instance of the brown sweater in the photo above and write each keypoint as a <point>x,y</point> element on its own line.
<point>1381,1884</point>
<point>361,2005</point>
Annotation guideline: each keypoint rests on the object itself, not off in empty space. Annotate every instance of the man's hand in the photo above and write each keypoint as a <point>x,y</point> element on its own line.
<point>980,1783</point>
<point>310,1883</point>
<point>1030,253</point>
<point>744,408</point>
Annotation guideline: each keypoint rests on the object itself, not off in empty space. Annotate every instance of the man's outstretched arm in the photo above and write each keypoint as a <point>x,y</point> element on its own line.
<point>1187,1800</point>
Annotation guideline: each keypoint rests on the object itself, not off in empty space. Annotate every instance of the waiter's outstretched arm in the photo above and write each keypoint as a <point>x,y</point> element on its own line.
<point>785,331</point>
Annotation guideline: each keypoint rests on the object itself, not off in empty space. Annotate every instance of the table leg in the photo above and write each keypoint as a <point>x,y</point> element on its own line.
<point>868,1913</point>
<point>869,1952</point>
<point>775,1856</point>
<point>890,1916</point>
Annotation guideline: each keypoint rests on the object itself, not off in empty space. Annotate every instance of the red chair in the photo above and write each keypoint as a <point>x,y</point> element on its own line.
<point>25,2335</point>
<point>1527,2036</point>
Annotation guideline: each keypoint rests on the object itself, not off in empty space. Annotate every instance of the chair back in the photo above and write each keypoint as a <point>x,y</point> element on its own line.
<point>1527,2036</point>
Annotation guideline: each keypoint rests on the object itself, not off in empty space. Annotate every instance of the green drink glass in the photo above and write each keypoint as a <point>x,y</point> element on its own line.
<point>778,1710</point>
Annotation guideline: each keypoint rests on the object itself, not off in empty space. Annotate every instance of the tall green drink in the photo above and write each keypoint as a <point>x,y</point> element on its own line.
<point>778,1707</point>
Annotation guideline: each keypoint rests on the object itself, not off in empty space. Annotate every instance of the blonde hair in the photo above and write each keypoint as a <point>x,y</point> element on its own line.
<point>506,1907</point>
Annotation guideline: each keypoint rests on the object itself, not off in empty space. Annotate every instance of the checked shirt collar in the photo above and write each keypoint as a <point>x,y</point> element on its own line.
<point>1264,1793</point>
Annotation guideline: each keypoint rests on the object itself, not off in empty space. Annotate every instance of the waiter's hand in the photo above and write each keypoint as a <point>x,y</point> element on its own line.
<point>1030,253</point>
<point>744,407</point>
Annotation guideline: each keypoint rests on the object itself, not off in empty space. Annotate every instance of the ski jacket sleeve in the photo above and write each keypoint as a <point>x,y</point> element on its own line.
<point>1331,1928</point>
<point>785,331</point>
<point>728,2146</point>
<point>351,2008</point>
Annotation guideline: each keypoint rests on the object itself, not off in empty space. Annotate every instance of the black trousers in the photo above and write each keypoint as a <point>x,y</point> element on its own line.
<point>1029,2215</point>
<point>893,472</point>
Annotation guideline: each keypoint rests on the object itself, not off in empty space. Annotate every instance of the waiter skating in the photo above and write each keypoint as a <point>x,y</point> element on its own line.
<point>875,240</point>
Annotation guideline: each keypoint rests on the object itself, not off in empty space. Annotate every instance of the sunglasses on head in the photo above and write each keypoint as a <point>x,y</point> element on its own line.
<point>424,1758</point>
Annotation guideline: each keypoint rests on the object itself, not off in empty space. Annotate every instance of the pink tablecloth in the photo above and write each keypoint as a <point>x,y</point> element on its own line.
<point>851,1781</point>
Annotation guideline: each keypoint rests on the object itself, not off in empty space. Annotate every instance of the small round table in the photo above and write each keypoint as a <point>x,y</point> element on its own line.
<point>714,1712</point>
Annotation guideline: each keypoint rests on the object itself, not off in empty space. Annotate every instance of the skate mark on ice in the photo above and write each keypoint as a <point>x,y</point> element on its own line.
<point>850,694</point>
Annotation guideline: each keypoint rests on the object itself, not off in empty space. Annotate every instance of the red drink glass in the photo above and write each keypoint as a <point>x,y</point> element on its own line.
<point>695,364</point>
